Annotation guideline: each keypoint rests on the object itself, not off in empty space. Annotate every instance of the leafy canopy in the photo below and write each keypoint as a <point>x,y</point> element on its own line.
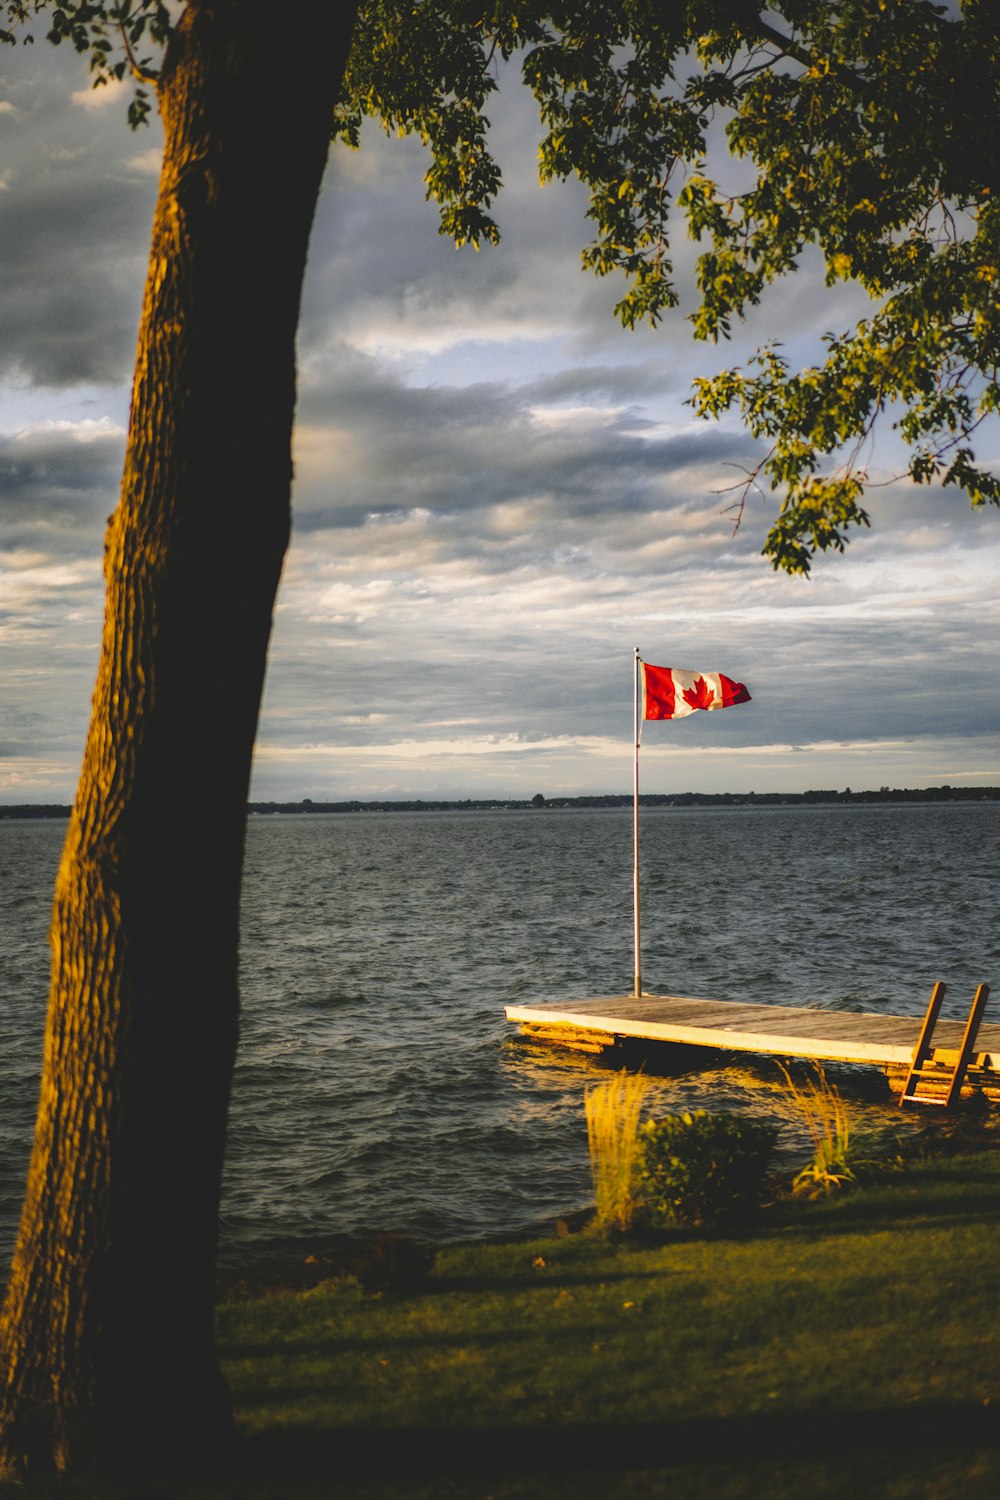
<point>870,129</point>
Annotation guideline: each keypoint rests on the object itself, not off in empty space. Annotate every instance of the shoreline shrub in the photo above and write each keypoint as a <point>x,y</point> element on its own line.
<point>703,1168</point>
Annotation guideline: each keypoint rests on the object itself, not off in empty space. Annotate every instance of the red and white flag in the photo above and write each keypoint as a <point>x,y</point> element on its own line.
<point>668,693</point>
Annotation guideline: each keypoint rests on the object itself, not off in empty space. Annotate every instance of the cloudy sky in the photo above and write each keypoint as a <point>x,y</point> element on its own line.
<point>499,495</point>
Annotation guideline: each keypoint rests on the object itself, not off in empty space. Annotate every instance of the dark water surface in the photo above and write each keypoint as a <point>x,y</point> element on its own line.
<point>378,1084</point>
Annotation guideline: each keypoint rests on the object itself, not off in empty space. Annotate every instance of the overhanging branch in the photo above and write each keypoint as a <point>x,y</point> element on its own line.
<point>791,48</point>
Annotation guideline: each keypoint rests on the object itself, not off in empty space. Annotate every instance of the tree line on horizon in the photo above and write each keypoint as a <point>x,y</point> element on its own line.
<point>307,806</point>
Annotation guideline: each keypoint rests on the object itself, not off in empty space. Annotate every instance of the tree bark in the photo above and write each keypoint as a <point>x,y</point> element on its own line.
<point>106,1355</point>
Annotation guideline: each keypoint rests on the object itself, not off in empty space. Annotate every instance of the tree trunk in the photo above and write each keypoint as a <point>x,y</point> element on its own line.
<point>106,1354</point>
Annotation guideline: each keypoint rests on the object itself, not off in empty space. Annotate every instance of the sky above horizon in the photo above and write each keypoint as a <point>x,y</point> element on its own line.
<point>499,494</point>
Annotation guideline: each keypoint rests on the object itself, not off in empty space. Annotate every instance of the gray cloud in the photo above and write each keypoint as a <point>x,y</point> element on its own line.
<point>75,212</point>
<point>499,494</point>
<point>57,484</point>
<point>458,451</point>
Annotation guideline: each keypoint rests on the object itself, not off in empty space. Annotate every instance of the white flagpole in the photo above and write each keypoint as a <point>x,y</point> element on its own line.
<point>635,838</point>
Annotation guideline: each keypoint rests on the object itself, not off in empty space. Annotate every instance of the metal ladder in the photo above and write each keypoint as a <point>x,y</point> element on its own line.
<point>931,1081</point>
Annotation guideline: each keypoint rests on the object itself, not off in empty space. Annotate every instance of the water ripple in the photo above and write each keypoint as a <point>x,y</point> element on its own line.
<point>378,1085</point>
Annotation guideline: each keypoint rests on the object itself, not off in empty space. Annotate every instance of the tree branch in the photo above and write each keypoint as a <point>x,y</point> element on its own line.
<point>791,48</point>
<point>143,75</point>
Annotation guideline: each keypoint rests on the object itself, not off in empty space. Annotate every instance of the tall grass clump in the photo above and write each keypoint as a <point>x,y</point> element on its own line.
<point>612,1109</point>
<point>844,1151</point>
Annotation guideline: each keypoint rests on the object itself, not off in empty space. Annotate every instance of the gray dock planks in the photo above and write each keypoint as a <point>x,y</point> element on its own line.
<point>778,1030</point>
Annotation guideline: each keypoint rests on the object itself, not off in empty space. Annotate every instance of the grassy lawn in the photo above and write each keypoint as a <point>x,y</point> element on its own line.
<point>847,1346</point>
<point>842,1347</point>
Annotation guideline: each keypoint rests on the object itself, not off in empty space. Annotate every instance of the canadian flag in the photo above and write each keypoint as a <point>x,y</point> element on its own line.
<point>669,693</point>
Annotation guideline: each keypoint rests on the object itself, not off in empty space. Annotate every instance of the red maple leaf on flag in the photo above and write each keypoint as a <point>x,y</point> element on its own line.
<point>699,696</point>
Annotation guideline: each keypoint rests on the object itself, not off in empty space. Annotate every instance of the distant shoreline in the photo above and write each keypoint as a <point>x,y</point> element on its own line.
<point>538,803</point>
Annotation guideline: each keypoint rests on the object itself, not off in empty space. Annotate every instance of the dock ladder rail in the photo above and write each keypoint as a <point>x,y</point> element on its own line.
<point>939,1082</point>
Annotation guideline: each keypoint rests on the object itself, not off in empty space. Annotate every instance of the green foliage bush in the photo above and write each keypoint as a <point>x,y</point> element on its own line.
<point>703,1168</point>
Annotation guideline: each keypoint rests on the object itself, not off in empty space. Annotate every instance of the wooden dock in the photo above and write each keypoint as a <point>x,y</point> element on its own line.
<point>773,1030</point>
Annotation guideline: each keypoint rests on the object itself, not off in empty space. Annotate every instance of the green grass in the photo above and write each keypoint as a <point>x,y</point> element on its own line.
<point>844,1346</point>
<point>850,1342</point>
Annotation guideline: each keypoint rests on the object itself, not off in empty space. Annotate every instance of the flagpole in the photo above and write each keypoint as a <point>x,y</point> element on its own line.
<point>635,837</point>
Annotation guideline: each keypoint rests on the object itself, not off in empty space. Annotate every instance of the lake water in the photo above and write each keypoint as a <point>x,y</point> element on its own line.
<point>378,1084</point>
